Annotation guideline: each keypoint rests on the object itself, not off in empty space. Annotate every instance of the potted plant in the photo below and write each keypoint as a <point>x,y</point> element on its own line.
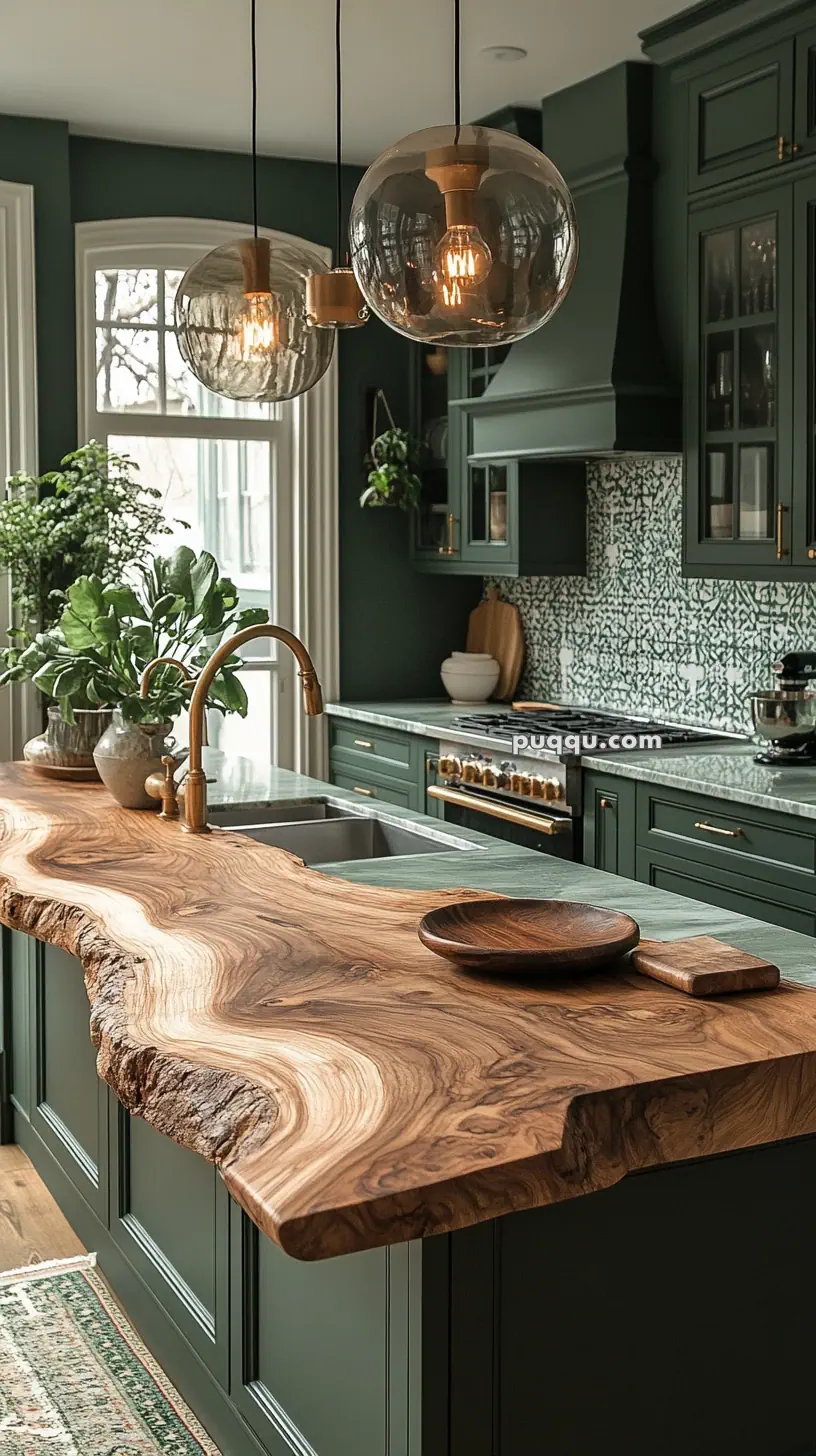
<point>93,659</point>
<point>90,518</point>
<point>393,460</point>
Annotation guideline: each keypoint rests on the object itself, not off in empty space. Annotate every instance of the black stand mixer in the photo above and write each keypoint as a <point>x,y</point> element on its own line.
<point>786,716</point>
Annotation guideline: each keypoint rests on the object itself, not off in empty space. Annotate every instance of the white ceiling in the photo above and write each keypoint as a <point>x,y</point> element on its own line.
<point>178,70</point>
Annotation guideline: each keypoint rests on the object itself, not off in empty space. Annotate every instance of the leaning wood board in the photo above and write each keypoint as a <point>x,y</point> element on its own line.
<point>495,627</point>
<point>353,1089</point>
<point>703,966</point>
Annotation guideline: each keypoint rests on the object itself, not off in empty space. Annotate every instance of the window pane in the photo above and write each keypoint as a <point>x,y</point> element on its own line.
<point>127,370</point>
<point>172,279</point>
<point>187,397</point>
<point>127,295</point>
<point>250,736</point>
<point>221,489</point>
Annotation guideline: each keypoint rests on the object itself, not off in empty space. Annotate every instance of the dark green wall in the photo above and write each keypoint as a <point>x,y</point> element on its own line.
<point>36,152</point>
<point>395,625</point>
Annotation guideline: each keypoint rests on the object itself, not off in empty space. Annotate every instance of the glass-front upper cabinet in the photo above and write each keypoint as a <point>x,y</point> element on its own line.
<point>739,385</point>
<point>804,373</point>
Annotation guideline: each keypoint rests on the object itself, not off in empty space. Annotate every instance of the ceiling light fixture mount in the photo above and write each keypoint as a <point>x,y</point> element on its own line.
<point>240,311</point>
<point>463,235</point>
<point>506,53</point>
<point>334,300</point>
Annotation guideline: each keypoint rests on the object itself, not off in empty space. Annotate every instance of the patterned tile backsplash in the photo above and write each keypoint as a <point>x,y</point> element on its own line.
<point>634,634</point>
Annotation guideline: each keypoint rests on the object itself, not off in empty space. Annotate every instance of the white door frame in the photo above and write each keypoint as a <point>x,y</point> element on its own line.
<point>305,596</point>
<point>18,418</point>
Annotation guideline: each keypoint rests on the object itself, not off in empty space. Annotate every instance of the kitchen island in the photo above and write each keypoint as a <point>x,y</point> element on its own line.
<point>357,1095</point>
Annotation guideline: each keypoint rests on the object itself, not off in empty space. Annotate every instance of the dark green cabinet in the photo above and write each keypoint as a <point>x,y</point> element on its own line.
<point>69,1102</point>
<point>742,116</point>
<point>379,763</point>
<point>739,397</point>
<point>489,517</point>
<point>609,823</point>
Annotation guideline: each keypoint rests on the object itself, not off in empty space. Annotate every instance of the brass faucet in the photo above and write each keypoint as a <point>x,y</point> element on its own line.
<point>195,783</point>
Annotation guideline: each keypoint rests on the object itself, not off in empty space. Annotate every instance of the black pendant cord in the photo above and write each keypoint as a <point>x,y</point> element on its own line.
<point>254,48</point>
<point>457,68</point>
<point>338,97</point>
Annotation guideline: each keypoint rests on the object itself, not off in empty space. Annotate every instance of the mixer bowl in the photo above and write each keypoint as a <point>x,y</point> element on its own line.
<point>785,717</point>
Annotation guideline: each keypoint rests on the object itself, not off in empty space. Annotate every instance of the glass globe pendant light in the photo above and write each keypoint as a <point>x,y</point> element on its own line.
<point>334,300</point>
<point>463,235</point>
<point>240,311</point>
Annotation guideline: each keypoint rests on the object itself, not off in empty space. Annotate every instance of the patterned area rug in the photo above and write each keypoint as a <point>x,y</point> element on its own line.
<point>75,1379</point>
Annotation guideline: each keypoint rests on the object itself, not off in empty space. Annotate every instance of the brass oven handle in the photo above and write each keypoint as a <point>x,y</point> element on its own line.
<point>362,743</point>
<point>367,793</point>
<point>780,532</point>
<point>450,549</point>
<point>523,818</point>
<point>714,829</point>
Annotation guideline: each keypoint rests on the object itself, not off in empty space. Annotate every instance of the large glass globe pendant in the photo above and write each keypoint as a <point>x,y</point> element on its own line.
<point>242,324</point>
<point>462,235</point>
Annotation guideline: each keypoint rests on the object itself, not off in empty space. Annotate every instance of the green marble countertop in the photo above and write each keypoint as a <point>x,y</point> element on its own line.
<point>724,770</point>
<point>491,864</point>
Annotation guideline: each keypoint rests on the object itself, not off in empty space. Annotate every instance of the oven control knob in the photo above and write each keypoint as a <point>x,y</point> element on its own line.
<point>489,778</point>
<point>471,770</point>
<point>521,783</point>
<point>538,786</point>
<point>554,789</point>
<point>450,768</point>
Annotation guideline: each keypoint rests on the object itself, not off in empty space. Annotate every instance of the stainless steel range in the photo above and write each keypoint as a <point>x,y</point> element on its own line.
<point>517,774</point>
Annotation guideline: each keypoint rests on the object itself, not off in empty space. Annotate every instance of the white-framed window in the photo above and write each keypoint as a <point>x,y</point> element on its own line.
<point>255,483</point>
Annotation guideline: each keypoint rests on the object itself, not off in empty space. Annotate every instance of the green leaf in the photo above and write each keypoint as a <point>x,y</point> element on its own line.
<point>168,607</point>
<point>106,629</point>
<point>229,691</point>
<point>203,576</point>
<point>125,602</point>
<point>176,573</point>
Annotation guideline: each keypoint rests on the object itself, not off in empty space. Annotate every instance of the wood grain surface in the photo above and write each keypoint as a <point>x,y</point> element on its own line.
<point>353,1090</point>
<point>703,966</point>
<point>494,626</point>
<point>551,936</point>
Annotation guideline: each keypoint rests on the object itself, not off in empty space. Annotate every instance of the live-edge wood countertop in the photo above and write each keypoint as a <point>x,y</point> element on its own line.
<point>353,1089</point>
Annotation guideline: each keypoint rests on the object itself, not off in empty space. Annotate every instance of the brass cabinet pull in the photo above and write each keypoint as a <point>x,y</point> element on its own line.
<point>783,147</point>
<point>781,549</point>
<point>362,743</point>
<point>715,829</point>
<point>367,793</point>
<point>450,549</point>
<point>524,818</point>
<point>812,553</point>
<point>605,803</point>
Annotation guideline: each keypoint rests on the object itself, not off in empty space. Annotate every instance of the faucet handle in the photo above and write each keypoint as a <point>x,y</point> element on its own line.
<point>162,786</point>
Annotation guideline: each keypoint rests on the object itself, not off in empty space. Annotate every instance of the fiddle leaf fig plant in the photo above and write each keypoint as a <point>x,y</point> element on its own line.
<point>392,478</point>
<point>180,606</point>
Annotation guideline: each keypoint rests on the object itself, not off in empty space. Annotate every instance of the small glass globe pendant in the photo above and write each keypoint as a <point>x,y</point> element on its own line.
<point>242,325</point>
<point>463,236</point>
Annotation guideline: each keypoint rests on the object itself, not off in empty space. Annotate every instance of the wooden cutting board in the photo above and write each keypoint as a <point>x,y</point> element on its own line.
<point>703,966</point>
<point>495,627</point>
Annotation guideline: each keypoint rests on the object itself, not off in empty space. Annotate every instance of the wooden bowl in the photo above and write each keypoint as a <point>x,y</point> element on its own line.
<point>528,935</point>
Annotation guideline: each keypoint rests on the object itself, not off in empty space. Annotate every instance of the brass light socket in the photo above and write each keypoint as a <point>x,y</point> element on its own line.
<point>457,168</point>
<point>334,300</point>
<point>255,260</point>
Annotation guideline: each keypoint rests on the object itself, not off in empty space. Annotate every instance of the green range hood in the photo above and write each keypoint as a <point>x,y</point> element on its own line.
<point>593,381</point>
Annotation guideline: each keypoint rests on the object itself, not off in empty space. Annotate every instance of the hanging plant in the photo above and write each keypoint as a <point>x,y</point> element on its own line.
<point>393,462</point>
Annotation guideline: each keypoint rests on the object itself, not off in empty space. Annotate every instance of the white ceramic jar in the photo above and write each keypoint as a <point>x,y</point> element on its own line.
<point>470,677</point>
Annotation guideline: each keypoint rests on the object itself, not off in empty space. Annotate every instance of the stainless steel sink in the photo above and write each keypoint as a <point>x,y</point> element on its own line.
<point>324,833</point>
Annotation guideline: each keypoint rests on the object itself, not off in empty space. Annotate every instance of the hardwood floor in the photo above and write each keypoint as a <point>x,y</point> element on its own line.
<point>32,1228</point>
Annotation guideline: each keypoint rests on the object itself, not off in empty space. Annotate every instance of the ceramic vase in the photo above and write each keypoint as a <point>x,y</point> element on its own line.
<point>65,750</point>
<point>125,755</point>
